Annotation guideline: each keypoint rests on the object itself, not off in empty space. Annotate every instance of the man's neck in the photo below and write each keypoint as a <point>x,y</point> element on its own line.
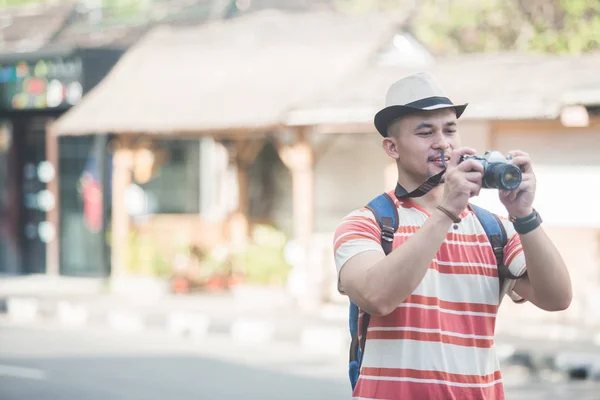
<point>430,200</point>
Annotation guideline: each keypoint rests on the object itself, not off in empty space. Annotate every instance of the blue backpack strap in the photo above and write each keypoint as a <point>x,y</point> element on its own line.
<point>496,234</point>
<point>384,209</point>
<point>494,230</point>
<point>355,353</point>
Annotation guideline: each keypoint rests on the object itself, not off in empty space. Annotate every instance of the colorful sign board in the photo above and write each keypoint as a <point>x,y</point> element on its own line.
<point>41,84</point>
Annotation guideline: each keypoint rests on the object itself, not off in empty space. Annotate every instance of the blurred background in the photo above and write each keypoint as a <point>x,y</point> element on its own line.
<point>171,173</point>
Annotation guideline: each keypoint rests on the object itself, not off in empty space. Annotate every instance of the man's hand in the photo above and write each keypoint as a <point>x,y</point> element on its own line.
<point>519,202</point>
<point>462,181</point>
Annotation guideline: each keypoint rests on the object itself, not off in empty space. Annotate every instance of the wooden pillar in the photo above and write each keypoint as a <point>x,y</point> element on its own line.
<point>239,220</point>
<point>122,172</point>
<point>242,153</point>
<point>299,158</point>
<point>53,215</point>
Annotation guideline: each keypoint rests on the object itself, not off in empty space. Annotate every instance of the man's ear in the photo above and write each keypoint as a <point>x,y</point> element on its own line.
<point>390,147</point>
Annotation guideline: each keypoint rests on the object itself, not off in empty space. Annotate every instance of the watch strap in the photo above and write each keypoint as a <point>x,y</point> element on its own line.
<point>527,224</point>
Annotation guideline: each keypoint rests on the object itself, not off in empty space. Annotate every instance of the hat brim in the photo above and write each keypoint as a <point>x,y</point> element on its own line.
<point>388,114</point>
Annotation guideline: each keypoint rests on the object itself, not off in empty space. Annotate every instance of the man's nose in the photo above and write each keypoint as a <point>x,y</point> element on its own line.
<point>441,143</point>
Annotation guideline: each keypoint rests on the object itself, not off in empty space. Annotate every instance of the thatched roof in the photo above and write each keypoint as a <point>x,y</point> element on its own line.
<point>98,27</point>
<point>496,86</point>
<point>30,27</point>
<point>587,95</point>
<point>244,73</point>
<point>93,27</point>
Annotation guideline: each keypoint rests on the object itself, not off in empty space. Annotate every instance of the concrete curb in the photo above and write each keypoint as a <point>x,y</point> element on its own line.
<point>327,336</point>
<point>247,330</point>
<point>579,365</point>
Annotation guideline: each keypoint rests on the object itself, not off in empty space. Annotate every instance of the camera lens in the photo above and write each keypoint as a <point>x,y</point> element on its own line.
<point>503,176</point>
<point>510,177</point>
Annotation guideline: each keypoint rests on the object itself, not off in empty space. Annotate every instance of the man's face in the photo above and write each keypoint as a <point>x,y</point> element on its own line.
<point>417,140</point>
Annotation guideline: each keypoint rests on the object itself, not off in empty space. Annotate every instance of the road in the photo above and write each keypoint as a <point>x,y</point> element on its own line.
<point>52,363</point>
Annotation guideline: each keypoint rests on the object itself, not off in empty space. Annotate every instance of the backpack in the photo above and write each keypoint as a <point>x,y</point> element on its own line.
<point>386,214</point>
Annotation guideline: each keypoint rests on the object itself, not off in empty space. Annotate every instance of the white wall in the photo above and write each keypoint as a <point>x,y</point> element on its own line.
<point>353,170</point>
<point>567,168</point>
<point>580,248</point>
<point>475,134</point>
<point>556,147</point>
<point>348,174</point>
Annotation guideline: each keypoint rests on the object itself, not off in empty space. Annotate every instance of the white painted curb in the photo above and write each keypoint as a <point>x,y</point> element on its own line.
<point>125,322</point>
<point>334,312</point>
<point>72,315</point>
<point>252,331</point>
<point>22,309</point>
<point>569,361</point>
<point>182,323</point>
<point>324,340</point>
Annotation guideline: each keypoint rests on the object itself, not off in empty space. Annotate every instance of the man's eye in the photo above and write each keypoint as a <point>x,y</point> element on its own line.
<point>424,133</point>
<point>450,132</point>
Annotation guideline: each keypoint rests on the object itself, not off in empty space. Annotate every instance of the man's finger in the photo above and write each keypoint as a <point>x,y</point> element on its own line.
<point>524,162</point>
<point>515,153</point>
<point>471,166</point>
<point>474,189</point>
<point>475,177</point>
<point>456,155</point>
<point>514,194</point>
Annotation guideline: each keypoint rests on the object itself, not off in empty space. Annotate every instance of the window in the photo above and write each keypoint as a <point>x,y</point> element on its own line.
<point>175,186</point>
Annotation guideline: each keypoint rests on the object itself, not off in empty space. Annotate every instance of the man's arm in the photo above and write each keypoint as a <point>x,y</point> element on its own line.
<point>378,284</point>
<point>547,284</point>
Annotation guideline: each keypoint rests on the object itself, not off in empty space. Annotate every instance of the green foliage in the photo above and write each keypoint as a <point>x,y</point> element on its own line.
<point>466,26</point>
<point>115,9</point>
<point>579,28</point>
<point>455,26</point>
<point>459,26</point>
<point>12,3</point>
<point>143,257</point>
<point>263,260</point>
<point>365,6</point>
<point>127,9</point>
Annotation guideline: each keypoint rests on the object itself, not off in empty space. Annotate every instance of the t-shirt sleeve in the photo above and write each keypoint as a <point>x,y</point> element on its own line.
<point>514,258</point>
<point>358,232</point>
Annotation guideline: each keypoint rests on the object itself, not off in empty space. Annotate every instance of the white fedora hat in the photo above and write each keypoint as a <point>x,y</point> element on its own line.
<point>413,93</point>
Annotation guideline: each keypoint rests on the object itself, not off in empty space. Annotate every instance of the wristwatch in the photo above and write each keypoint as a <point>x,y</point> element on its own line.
<point>526,224</point>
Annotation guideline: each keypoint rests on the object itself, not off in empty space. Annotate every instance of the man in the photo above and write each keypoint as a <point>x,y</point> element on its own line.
<point>433,300</point>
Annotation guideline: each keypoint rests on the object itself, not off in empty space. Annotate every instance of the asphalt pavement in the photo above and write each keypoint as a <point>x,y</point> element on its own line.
<point>56,364</point>
<point>51,362</point>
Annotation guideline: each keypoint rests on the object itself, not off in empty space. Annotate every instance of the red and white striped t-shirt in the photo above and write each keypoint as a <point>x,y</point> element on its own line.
<point>439,342</point>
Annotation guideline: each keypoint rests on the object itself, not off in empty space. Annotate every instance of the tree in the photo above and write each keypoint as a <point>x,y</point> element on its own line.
<point>13,3</point>
<point>452,26</point>
<point>563,25</point>
<point>118,8</point>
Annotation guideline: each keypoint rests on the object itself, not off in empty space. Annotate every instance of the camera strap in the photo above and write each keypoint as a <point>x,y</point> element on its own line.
<point>422,190</point>
<point>429,184</point>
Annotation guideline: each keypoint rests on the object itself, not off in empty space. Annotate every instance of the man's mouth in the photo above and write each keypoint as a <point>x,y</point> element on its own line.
<point>438,160</point>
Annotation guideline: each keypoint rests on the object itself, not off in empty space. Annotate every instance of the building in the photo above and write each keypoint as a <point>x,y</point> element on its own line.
<point>308,85</point>
<point>35,89</point>
<point>64,49</point>
<point>546,105</point>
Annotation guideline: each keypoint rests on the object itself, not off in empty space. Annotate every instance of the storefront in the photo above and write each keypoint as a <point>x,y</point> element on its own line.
<point>44,187</point>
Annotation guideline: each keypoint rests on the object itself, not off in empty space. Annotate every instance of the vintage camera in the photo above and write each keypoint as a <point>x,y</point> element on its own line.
<point>497,172</point>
